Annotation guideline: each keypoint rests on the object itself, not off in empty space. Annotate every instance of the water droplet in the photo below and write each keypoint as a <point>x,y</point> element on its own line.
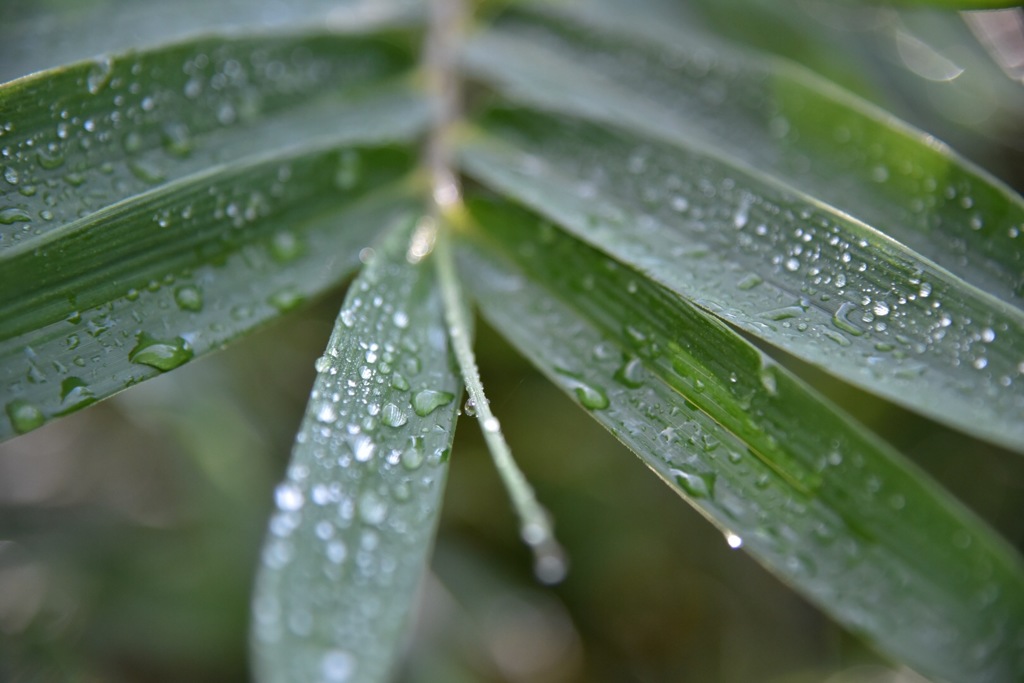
<point>11,175</point>
<point>372,508</point>
<point>429,400</point>
<point>146,171</point>
<point>286,299</point>
<point>327,413</point>
<point>733,540</point>
<point>337,666</point>
<point>12,215</point>
<point>176,139</point>
<point>288,496</point>
<point>841,319</point>
<point>631,373</point>
<point>401,319</point>
<point>363,447</point>
<point>697,485</point>
<point>285,246</point>
<point>50,159</point>
<point>491,424</point>
<point>399,382</point>
<point>749,282</point>
<point>99,75</point>
<point>412,458</point>
<point>349,170</point>
<point>393,416</point>
<point>469,408</point>
<point>189,298</point>
<point>74,395</point>
<point>162,355</point>
<point>591,397</point>
<point>24,416</point>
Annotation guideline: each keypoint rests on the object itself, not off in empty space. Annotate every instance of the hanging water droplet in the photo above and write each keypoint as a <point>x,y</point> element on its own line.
<point>733,540</point>
<point>189,298</point>
<point>24,416</point>
<point>162,355</point>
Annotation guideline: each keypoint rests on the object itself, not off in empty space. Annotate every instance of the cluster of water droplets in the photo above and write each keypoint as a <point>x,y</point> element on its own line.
<point>355,513</point>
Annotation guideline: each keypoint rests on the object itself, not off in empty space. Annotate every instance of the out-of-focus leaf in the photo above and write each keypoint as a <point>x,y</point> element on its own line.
<point>778,264</point>
<point>37,35</point>
<point>814,497</point>
<point>356,515</point>
<point>776,117</point>
<point>141,226</point>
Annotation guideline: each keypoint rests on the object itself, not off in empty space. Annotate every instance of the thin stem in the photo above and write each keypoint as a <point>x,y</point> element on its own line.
<point>446,31</point>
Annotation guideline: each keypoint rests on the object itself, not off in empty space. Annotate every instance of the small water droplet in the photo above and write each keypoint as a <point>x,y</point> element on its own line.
<point>363,447</point>
<point>372,508</point>
<point>11,175</point>
<point>337,666</point>
<point>99,75</point>
<point>189,298</point>
<point>24,416</point>
<point>285,246</point>
<point>398,381</point>
<point>162,355</point>
<point>288,496</point>
<point>146,171</point>
<point>749,282</point>
<point>349,170</point>
<point>412,458</point>
<point>286,299</point>
<point>491,424</point>
<point>733,540</point>
<point>176,139</point>
<point>327,413</point>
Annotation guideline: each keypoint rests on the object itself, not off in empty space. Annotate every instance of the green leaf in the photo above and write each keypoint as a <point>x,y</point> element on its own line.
<point>776,263</point>
<point>356,515</point>
<point>817,499</point>
<point>143,227</point>
<point>41,35</point>
<point>774,117</point>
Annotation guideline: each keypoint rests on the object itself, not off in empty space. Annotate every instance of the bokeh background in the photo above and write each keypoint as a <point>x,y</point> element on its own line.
<point>129,532</point>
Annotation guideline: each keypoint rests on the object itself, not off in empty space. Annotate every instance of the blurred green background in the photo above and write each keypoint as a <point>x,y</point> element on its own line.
<point>129,532</point>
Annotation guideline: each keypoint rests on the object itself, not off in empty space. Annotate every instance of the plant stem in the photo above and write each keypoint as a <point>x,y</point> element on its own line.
<point>446,30</point>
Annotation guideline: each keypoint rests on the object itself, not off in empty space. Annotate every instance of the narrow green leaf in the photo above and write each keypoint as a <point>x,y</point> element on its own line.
<point>141,287</point>
<point>832,511</point>
<point>772,116</point>
<point>83,137</point>
<point>356,514</point>
<point>41,35</point>
<point>779,265</point>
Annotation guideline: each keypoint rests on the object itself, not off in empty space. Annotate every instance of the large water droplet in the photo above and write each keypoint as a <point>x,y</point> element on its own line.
<point>162,355</point>
<point>75,394</point>
<point>13,214</point>
<point>429,400</point>
<point>24,416</point>
<point>631,373</point>
<point>393,416</point>
<point>697,485</point>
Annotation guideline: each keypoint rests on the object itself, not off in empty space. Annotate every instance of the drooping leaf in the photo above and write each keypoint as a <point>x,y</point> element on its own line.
<point>817,499</point>
<point>144,226</point>
<point>356,515</point>
<point>774,117</point>
<point>778,264</point>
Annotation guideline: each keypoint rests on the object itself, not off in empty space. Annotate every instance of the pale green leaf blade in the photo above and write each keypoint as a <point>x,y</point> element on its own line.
<point>116,298</point>
<point>356,514</point>
<point>686,88</point>
<point>831,510</point>
<point>780,265</point>
<point>42,35</point>
<point>157,205</point>
<point>82,137</point>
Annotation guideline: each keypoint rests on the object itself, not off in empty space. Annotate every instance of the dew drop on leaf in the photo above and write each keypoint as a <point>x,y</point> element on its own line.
<point>189,298</point>
<point>162,355</point>
<point>12,215</point>
<point>429,400</point>
<point>696,485</point>
<point>24,416</point>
